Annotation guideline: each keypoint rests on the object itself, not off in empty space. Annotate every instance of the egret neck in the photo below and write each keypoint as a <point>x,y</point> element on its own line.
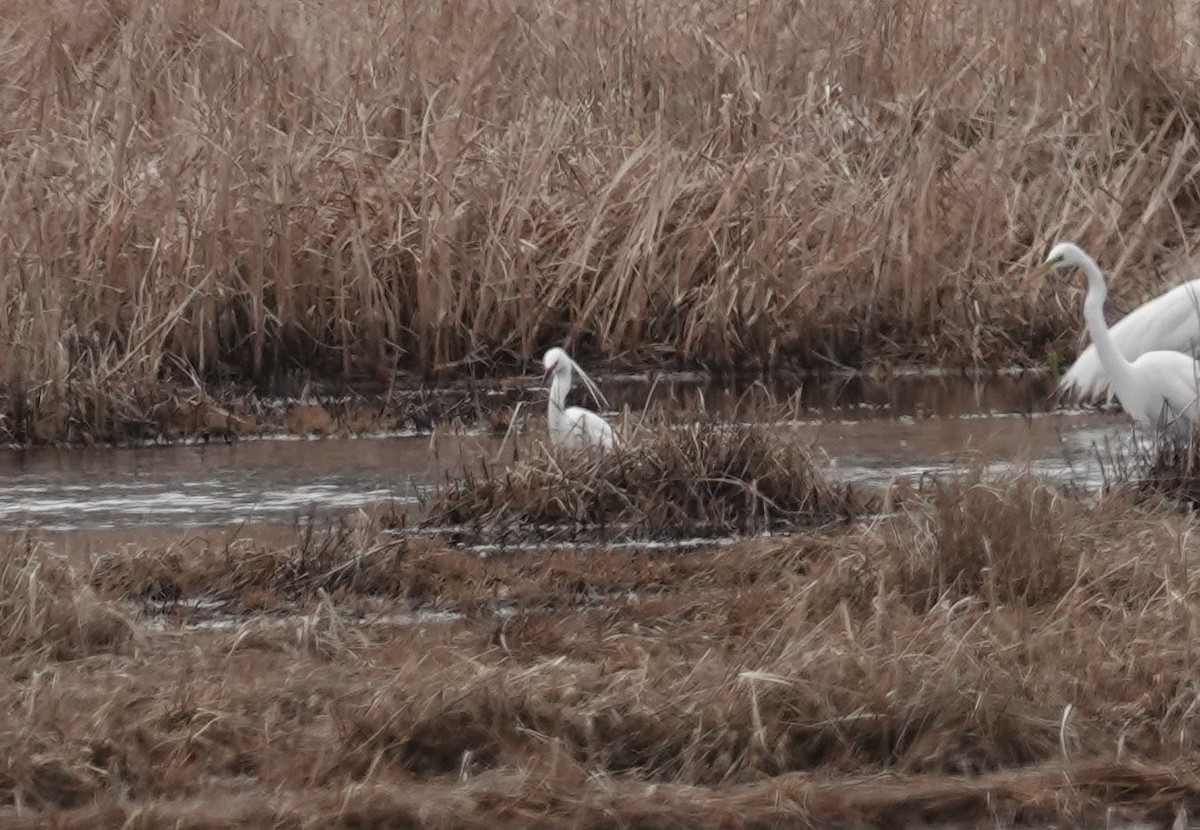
<point>1120,372</point>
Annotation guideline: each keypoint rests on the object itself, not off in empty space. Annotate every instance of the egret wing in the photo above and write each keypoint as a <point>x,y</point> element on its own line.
<point>1170,378</point>
<point>590,429</point>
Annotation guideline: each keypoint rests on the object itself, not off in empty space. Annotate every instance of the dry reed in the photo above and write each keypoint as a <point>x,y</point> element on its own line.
<point>255,191</point>
<point>994,650</point>
<point>696,479</point>
<point>49,612</point>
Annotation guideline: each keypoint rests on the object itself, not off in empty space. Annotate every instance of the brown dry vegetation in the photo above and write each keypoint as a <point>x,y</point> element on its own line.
<point>234,413</point>
<point>1167,468</point>
<point>197,192</point>
<point>699,479</point>
<point>993,650</point>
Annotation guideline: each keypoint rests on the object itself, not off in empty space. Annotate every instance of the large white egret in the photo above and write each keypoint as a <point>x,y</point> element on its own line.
<point>1169,323</point>
<point>1153,382</point>
<point>573,427</point>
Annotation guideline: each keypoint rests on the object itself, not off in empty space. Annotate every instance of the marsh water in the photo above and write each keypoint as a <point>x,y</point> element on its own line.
<point>869,431</point>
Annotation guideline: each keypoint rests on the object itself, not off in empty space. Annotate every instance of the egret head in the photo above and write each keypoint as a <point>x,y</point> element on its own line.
<point>556,360</point>
<point>558,363</point>
<point>1062,255</point>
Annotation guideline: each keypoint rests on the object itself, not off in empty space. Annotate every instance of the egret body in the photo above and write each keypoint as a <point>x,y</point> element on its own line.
<point>1169,322</point>
<point>1158,386</point>
<point>573,427</point>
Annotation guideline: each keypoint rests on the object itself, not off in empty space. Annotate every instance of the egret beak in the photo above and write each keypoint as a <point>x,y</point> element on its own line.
<point>1038,274</point>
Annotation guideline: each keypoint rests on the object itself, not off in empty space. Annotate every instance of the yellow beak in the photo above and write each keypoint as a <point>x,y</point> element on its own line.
<point>1038,275</point>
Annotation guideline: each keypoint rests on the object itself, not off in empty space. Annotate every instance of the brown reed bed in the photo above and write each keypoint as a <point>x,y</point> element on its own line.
<point>992,651</point>
<point>247,191</point>
<point>699,479</point>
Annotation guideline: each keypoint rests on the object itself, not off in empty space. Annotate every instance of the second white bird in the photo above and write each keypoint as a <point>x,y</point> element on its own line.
<point>573,427</point>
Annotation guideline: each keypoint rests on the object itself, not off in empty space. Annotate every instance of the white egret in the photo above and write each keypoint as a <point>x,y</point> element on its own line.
<point>1169,323</point>
<point>1156,386</point>
<point>573,427</point>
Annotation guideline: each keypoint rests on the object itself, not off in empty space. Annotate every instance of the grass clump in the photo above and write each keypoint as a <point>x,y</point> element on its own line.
<point>49,612</point>
<point>1154,467</point>
<point>1168,468</point>
<point>1001,540</point>
<point>690,480</point>
<point>348,558</point>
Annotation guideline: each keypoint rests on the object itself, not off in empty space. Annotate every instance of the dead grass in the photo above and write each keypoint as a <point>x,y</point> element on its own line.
<point>350,557</point>
<point>49,612</point>
<point>993,650</point>
<point>1004,542</point>
<point>1163,469</point>
<point>1167,468</point>
<point>251,191</point>
<point>699,479</point>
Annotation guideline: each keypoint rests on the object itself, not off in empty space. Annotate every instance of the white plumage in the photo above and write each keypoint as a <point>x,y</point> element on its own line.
<point>573,427</point>
<point>1154,383</point>
<point>1170,323</point>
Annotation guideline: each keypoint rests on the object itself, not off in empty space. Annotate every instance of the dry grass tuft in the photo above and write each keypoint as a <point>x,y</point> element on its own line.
<point>350,557</point>
<point>1166,468</point>
<point>1163,468</point>
<point>1002,541</point>
<point>691,480</point>
<point>48,611</point>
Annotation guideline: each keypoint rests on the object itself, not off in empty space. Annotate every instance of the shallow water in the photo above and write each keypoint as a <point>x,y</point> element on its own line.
<point>870,431</point>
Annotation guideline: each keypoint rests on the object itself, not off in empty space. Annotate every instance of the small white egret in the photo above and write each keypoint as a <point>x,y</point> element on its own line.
<point>573,427</point>
<point>1156,386</point>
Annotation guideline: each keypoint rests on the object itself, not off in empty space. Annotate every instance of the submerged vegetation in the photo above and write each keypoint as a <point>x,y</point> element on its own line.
<point>268,191</point>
